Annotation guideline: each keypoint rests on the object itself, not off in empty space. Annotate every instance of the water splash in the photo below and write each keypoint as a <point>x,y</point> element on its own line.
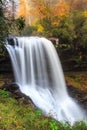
<point>38,73</point>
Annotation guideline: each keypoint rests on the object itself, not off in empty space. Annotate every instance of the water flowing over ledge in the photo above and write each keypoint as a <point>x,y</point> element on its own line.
<point>39,75</point>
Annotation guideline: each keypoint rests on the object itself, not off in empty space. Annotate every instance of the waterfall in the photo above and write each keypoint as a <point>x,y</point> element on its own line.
<point>38,73</point>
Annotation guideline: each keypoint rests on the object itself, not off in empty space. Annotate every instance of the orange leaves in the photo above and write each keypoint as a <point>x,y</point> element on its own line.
<point>40,8</point>
<point>22,9</point>
<point>54,9</point>
<point>61,9</point>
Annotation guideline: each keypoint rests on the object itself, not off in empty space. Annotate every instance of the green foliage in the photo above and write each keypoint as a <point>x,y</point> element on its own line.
<point>47,25</point>
<point>3,25</point>
<point>66,30</point>
<point>38,112</point>
<point>80,126</point>
<point>16,115</point>
<point>4,94</point>
<point>53,125</point>
<point>84,34</point>
<point>7,24</point>
<point>29,30</point>
<point>71,29</point>
<point>20,23</point>
<point>80,27</point>
<point>77,79</point>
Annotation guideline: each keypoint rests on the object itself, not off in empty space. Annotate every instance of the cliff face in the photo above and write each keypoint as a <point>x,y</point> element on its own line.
<point>5,65</point>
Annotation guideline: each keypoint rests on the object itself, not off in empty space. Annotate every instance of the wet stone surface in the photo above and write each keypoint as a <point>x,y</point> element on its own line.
<point>79,95</point>
<point>17,94</point>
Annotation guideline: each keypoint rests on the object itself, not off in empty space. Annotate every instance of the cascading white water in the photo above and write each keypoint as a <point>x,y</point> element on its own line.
<point>39,75</point>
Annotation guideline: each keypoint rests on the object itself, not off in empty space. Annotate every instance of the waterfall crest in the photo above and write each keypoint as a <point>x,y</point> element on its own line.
<point>39,75</point>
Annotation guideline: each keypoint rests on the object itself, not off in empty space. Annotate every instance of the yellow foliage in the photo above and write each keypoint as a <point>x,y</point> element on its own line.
<point>40,28</point>
<point>35,23</point>
<point>85,13</point>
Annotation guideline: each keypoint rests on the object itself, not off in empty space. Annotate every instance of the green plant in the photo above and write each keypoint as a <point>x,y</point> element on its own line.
<point>18,116</point>
<point>28,30</point>
<point>38,112</point>
<point>4,93</point>
<point>53,125</point>
<point>79,126</point>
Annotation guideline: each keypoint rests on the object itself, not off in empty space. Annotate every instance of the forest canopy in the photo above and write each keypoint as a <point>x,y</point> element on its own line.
<point>63,19</point>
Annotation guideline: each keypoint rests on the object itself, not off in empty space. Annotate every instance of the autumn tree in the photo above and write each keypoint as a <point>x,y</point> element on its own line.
<point>6,19</point>
<point>61,9</point>
<point>3,25</point>
<point>80,24</point>
<point>56,18</point>
<point>3,20</point>
<point>41,8</point>
<point>22,8</point>
<point>65,31</point>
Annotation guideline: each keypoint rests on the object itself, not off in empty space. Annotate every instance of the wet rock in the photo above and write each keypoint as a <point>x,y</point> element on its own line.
<point>17,94</point>
<point>79,95</point>
<point>12,87</point>
<point>85,98</point>
<point>1,84</point>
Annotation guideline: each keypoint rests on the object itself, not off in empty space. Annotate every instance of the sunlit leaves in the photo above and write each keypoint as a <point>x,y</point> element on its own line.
<point>40,8</point>
<point>22,8</point>
<point>61,9</point>
<point>85,14</point>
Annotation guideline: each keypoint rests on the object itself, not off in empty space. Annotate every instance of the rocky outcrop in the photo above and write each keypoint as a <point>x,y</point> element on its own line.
<point>16,93</point>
